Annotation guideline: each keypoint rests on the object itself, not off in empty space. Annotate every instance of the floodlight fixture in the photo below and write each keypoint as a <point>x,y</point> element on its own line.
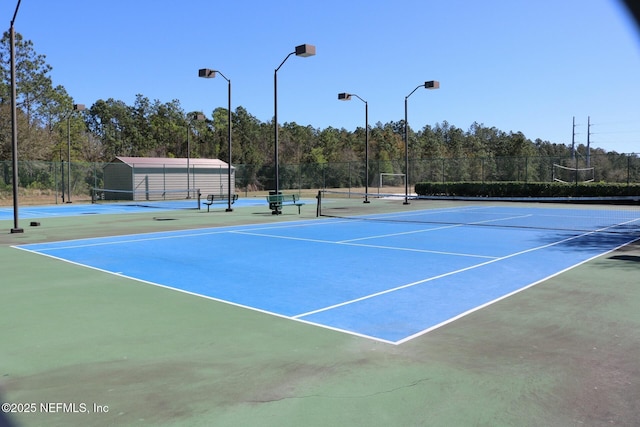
<point>347,97</point>
<point>208,73</point>
<point>430,84</point>
<point>303,50</point>
<point>14,124</point>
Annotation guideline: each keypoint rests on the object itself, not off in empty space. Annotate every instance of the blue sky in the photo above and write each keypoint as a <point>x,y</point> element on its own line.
<point>518,65</point>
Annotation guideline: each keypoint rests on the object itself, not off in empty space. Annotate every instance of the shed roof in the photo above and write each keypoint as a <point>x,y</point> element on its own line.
<point>170,162</point>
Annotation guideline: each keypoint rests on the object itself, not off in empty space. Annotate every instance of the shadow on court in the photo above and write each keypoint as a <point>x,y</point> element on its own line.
<point>627,258</point>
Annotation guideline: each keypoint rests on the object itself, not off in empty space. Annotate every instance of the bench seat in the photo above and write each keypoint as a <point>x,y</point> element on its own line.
<point>278,201</point>
<point>219,198</point>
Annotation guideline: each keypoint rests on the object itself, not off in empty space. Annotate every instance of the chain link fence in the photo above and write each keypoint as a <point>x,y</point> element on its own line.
<point>59,182</point>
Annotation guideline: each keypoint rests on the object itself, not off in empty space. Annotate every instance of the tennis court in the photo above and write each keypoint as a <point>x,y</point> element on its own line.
<point>316,321</point>
<point>388,277</point>
<point>115,208</point>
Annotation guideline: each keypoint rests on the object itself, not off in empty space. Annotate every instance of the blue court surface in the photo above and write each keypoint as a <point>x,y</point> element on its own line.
<point>73,209</point>
<point>376,278</point>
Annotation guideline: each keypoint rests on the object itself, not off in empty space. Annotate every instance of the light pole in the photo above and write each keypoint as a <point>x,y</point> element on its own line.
<point>347,97</point>
<point>209,74</point>
<point>195,117</point>
<point>431,84</point>
<point>76,107</point>
<point>14,125</point>
<point>303,50</point>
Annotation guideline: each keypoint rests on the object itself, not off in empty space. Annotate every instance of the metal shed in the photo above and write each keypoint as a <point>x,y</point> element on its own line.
<point>152,178</point>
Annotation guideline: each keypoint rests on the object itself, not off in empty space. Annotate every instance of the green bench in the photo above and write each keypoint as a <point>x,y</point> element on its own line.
<point>220,198</point>
<point>278,201</point>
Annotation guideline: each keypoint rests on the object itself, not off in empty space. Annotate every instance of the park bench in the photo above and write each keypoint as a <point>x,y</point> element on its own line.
<point>219,198</point>
<point>278,201</point>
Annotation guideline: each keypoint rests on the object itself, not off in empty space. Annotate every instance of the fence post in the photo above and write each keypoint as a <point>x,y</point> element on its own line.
<point>324,181</point>
<point>55,180</point>
<point>349,174</point>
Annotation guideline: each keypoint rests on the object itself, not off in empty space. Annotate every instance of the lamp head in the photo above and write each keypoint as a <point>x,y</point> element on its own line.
<point>305,50</point>
<point>206,73</point>
<point>432,84</point>
<point>344,96</point>
<point>78,107</point>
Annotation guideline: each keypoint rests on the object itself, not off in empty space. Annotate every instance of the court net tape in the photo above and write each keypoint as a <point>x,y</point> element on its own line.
<point>583,218</point>
<point>178,199</point>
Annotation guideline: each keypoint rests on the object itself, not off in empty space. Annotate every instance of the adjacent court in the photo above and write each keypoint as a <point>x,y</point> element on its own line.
<point>80,209</point>
<point>387,277</point>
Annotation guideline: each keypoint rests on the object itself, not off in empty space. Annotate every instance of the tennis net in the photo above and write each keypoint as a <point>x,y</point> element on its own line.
<point>172,199</point>
<point>583,218</point>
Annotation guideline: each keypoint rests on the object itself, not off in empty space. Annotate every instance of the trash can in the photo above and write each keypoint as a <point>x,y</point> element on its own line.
<point>275,203</point>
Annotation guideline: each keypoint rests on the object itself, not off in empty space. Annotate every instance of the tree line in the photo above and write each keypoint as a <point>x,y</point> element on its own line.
<point>110,128</point>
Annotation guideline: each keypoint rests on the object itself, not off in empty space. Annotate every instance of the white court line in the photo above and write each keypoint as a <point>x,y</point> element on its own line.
<point>422,212</point>
<point>187,233</point>
<point>303,239</point>
<point>436,228</point>
<point>429,279</point>
<point>165,235</point>
<point>480,307</point>
<point>348,243</point>
<point>147,239</point>
<point>426,251</point>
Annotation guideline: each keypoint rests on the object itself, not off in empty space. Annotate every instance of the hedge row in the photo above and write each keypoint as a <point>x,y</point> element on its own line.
<point>521,189</point>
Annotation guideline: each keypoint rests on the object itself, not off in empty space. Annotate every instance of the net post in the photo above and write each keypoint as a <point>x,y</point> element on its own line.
<point>199,194</point>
